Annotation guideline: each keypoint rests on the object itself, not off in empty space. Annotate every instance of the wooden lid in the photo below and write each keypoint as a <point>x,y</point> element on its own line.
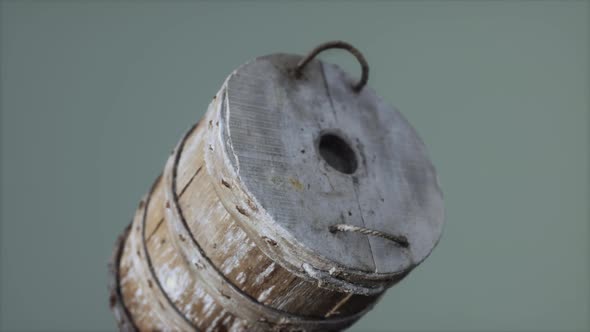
<point>312,153</point>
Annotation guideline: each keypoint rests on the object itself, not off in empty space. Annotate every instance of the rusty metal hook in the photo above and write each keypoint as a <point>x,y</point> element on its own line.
<point>341,45</point>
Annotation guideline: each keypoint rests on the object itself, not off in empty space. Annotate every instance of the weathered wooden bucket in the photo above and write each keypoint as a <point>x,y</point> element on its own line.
<point>295,202</point>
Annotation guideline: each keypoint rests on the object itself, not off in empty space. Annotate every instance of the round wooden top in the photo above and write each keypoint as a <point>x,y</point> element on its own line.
<point>342,173</point>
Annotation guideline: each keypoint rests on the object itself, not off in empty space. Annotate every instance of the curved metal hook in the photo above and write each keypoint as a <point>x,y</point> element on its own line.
<point>341,45</point>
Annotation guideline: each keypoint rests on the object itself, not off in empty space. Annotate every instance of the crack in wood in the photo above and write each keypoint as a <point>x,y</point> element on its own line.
<point>180,195</point>
<point>355,185</point>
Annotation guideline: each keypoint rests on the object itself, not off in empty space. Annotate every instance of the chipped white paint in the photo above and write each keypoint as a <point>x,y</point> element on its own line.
<point>241,278</point>
<point>233,262</point>
<point>260,278</point>
<point>176,283</point>
<point>264,295</point>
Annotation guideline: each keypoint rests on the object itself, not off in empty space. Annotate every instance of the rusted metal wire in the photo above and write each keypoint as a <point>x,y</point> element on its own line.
<point>400,240</point>
<point>340,45</point>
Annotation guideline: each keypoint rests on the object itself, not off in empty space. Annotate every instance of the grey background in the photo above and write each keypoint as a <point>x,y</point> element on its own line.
<point>94,95</point>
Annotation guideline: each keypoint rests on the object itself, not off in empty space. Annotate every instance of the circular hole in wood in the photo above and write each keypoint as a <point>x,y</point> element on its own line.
<point>337,153</point>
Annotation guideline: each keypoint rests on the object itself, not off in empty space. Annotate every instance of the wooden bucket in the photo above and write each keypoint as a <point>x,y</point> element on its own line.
<point>296,201</point>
